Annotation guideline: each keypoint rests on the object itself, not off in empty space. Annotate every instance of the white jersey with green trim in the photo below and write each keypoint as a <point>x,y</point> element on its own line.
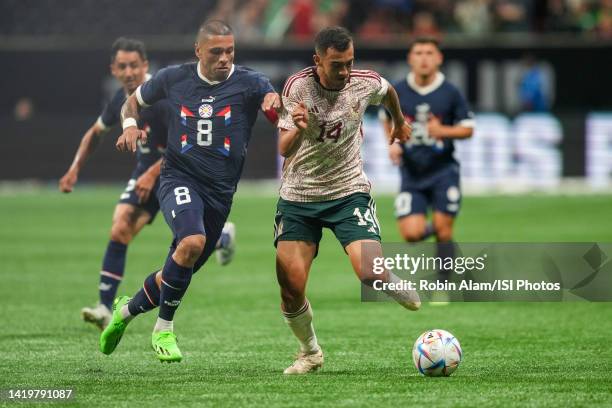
<point>327,164</point>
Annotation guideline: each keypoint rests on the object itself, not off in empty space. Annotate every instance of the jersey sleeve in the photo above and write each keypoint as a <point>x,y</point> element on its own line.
<point>290,98</point>
<point>463,115</point>
<point>107,119</point>
<point>155,89</point>
<point>261,87</point>
<point>110,114</point>
<point>379,87</point>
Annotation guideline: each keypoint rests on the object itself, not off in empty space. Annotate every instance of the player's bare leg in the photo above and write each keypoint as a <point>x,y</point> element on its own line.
<point>293,261</point>
<point>128,221</point>
<point>414,228</point>
<point>443,225</point>
<point>362,254</point>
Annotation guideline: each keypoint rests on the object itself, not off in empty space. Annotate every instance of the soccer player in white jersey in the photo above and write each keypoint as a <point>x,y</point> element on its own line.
<point>323,183</point>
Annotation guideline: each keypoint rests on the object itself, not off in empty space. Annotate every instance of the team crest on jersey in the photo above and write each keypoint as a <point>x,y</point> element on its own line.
<point>205,111</point>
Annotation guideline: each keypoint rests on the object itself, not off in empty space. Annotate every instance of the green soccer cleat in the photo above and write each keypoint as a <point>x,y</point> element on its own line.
<point>164,344</point>
<point>111,336</point>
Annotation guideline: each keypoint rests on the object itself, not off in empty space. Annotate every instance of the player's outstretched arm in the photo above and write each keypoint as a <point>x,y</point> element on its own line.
<point>130,112</point>
<point>89,142</point>
<point>401,130</point>
<point>439,131</point>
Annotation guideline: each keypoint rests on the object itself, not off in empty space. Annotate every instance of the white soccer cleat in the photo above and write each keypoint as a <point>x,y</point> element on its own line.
<point>305,363</point>
<point>225,253</point>
<point>99,316</point>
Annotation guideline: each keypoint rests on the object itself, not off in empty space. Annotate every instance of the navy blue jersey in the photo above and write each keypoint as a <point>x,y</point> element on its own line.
<point>152,120</point>
<point>210,123</point>
<point>424,155</point>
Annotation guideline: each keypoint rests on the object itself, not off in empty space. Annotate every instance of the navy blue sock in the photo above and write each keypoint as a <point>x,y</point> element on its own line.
<point>445,250</point>
<point>429,231</point>
<point>113,266</point>
<point>147,297</point>
<point>175,281</point>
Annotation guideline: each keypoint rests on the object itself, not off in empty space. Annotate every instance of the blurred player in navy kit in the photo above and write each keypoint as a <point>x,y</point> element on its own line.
<point>138,204</point>
<point>213,106</point>
<point>439,114</point>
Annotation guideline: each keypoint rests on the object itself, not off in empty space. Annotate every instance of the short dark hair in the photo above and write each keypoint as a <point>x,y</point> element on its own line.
<point>425,40</point>
<point>128,44</point>
<point>338,38</point>
<point>215,27</point>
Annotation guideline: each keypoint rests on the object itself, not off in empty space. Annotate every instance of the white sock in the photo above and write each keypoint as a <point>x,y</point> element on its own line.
<point>125,314</point>
<point>300,323</point>
<point>102,308</point>
<point>408,298</point>
<point>163,325</point>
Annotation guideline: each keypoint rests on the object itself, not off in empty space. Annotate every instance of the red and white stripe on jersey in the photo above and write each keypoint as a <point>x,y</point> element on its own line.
<point>365,73</point>
<point>111,275</point>
<point>148,296</point>
<point>305,73</point>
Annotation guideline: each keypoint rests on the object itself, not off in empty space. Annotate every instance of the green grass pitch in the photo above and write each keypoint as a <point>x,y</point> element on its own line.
<point>233,337</point>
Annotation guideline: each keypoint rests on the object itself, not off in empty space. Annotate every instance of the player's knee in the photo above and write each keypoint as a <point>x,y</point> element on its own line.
<point>190,248</point>
<point>414,234</point>
<point>292,281</point>
<point>122,232</point>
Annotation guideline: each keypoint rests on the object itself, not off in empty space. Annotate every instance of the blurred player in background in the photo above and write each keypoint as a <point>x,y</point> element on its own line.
<point>323,182</point>
<point>138,204</point>
<point>429,171</point>
<point>213,106</point>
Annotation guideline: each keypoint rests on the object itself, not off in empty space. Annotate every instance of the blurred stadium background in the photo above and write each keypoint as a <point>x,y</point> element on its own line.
<point>536,72</point>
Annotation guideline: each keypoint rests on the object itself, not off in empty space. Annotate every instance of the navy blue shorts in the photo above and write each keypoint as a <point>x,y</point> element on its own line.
<point>129,195</point>
<point>441,192</point>
<point>188,210</point>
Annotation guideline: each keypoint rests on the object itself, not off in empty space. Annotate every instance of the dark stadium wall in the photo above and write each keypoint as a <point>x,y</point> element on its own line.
<point>44,146</point>
<point>67,89</point>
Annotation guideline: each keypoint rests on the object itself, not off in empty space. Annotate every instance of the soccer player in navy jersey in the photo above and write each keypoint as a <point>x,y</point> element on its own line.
<point>429,171</point>
<point>138,204</point>
<point>213,106</point>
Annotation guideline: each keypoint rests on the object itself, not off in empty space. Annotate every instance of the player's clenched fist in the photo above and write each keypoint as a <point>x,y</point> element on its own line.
<point>68,181</point>
<point>271,106</point>
<point>300,116</point>
<point>128,141</point>
<point>400,133</point>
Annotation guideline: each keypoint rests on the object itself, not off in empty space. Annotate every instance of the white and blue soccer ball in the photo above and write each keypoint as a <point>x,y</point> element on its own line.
<point>436,353</point>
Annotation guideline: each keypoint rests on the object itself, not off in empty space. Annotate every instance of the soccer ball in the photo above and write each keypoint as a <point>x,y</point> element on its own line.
<point>436,353</point>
